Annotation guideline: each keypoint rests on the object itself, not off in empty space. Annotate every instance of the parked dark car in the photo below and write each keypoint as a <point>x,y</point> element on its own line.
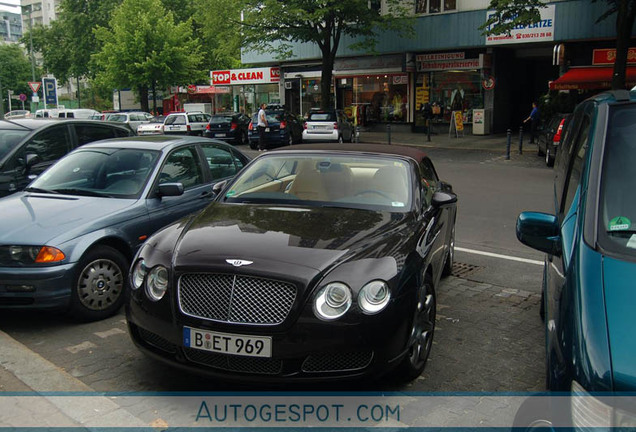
<point>284,129</point>
<point>590,266</point>
<point>312,264</point>
<point>229,127</point>
<point>68,239</point>
<point>549,137</point>
<point>29,146</point>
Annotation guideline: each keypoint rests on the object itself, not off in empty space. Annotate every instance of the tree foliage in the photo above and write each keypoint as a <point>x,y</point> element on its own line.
<point>274,26</point>
<point>219,32</point>
<point>15,72</point>
<point>68,43</point>
<point>510,13</point>
<point>144,49</point>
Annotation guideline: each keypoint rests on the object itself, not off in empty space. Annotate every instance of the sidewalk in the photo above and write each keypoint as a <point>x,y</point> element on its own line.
<point>496,142</point>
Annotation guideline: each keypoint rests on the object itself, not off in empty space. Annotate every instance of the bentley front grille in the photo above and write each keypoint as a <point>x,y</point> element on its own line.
<point>235,298</point>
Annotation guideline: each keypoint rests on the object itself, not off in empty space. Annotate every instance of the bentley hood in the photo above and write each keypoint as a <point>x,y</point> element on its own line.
<point>280,239</point>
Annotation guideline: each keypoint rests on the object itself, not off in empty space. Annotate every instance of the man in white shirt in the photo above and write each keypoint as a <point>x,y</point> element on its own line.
<point>262,124</point>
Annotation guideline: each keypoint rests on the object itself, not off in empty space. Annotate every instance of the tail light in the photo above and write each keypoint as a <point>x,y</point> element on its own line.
<point>557,135</point>
<point>207,126</point>
<point>283,124</point>
<point>251,126</point>
<point>335,125</point>
<point>189,128</point>
<point>233,126</point>
<point>305,125</point>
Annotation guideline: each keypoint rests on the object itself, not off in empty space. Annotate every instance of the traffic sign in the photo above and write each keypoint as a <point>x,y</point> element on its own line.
<point>23,97</point>
<point>35,86</point>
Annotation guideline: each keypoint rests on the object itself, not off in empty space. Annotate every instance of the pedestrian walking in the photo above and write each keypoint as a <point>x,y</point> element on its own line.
<point>533,118</point>
<point>262,124</point>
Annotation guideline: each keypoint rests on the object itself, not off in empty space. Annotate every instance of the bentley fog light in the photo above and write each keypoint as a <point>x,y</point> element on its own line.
<point>157,283</point>
<point>138,274</point>
<point>374,297</point>
<point>332,301</point>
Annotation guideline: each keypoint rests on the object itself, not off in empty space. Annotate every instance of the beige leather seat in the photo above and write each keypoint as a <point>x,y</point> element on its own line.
<point>392,182</point>
<point>309,183</point>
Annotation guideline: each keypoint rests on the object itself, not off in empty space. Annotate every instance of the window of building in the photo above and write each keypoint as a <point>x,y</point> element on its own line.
<point>434,6</point>
<point>375,5</point>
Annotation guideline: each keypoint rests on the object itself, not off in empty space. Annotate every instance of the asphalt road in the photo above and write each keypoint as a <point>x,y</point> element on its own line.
<point>488,337</point>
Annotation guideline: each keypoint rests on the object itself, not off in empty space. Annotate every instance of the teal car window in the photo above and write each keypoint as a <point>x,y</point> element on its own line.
<point>617,221</point>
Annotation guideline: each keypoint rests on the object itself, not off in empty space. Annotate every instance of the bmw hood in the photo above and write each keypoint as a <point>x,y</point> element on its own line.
<point>620,298</point>
<point>29,218</point>
<point>273,238</point>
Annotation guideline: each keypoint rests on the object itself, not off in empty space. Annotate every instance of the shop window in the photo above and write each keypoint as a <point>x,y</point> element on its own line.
<point>450,5</point>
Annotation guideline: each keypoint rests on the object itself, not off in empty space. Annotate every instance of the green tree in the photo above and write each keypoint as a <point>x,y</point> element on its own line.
<point>15,72</point>
<point>219,33</point>
<point>509,13</point>
<point>274,25</point>
<point>144,49</point>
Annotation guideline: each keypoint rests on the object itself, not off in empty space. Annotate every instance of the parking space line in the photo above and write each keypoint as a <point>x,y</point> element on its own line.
<point>108,333</point>
<point>81,347</point>
<point>494,255</point>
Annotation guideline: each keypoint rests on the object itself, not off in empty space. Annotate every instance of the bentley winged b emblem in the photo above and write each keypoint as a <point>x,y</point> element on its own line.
<point>238,262</point>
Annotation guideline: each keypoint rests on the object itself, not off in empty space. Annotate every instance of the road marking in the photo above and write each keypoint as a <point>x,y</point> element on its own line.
<point>494,255</point>
<point>111,332</point>
<point>81,347</point>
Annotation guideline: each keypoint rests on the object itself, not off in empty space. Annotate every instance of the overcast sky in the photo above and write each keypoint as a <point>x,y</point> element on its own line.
<point>10,5</point>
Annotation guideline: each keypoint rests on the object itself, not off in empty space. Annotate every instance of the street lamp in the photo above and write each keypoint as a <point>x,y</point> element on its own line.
<point>26,10</point>
<point>300,89</point>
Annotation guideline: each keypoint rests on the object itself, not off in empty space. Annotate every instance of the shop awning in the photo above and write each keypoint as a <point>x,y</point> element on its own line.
<point>584,78</point>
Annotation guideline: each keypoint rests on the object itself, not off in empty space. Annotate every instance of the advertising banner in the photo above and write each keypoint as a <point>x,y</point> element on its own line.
<point>542,31</point>
<point>267,75</point>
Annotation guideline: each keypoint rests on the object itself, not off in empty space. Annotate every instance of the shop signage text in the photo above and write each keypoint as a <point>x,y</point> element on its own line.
<point>445,61</point>
<point>541,31</point>
<point>608,56</point>
<point>246,76</point>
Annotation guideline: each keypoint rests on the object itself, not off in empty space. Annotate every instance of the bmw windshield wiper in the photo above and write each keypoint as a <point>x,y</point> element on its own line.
<point>82,192</point>
<point>40,190</point>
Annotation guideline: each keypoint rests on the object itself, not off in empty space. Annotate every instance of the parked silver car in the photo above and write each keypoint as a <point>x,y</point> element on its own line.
<point>330,125</point>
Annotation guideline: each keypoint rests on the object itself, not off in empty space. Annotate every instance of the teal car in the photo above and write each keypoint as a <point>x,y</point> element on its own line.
<point>589,288</point>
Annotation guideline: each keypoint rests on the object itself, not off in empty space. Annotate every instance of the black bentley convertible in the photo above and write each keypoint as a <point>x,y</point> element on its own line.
<point>312,264</point>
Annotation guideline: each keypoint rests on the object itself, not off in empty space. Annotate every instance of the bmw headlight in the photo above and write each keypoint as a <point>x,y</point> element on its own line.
<point>374,297</point>
<point>138,275</point>
<point>26,255</point>
<point>332,301</point>
<point>157,283</point>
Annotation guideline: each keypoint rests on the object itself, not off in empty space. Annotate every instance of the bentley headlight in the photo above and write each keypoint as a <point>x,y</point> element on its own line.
<point>332,301</point>
<point>374,297</point>
<point>157,283</point>
<point>138,275</point>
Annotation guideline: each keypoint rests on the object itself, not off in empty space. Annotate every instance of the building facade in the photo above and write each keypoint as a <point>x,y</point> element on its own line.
<point>10,27</point>
<point>38,12</point>
<point>451,65</point>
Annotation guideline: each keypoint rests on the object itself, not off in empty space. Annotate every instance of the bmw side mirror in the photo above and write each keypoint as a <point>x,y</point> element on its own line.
<point>442,199</point>
<point>540,231</point>
<point>170,189</point>
<point>218,187</point>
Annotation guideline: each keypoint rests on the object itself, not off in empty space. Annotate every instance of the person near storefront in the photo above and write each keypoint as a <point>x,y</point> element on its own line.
<point>262,124</point>
<point>533,118</point>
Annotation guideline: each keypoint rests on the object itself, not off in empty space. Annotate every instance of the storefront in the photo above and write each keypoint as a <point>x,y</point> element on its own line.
<point>248,88</point>
<point>373,89</point>
<point>450,82</point>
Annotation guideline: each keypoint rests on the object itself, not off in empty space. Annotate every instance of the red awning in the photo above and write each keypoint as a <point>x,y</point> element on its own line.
<point>583,78</point>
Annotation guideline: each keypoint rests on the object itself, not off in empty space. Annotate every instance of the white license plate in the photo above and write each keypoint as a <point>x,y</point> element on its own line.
<point>219,135</point>
<point>175,127</point>
<point>228,343</point>
<point>266,129</point>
